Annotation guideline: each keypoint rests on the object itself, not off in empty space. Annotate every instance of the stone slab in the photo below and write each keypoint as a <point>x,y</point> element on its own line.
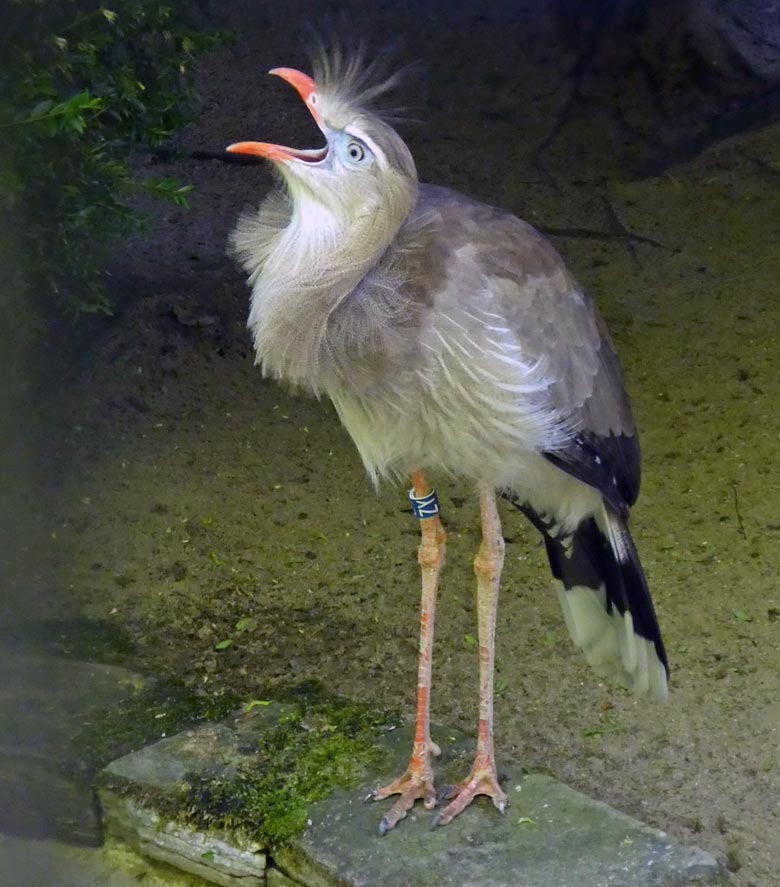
<point>164,766</point>
<point>212,749</point>
<point>217,857</point>
<point>551,836</point>
<point>162,770</point>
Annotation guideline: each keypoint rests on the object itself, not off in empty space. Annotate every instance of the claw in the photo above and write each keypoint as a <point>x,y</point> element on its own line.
<point>396,813</point>
<point>445,793</point>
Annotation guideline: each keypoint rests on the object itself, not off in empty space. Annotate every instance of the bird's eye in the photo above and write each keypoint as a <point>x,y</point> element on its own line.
<point>355,151</point>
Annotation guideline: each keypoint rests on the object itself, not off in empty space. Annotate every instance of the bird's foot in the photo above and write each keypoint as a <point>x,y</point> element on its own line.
<point>415,784</point>
<point>481,781</point>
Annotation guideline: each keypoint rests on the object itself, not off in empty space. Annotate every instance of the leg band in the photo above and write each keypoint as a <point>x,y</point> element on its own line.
<point>424,506</point>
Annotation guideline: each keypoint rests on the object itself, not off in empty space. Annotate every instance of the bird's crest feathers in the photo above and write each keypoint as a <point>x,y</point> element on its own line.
<point>350,81</point>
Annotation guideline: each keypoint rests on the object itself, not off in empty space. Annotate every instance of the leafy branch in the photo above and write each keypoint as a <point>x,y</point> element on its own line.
<point>82,87</point>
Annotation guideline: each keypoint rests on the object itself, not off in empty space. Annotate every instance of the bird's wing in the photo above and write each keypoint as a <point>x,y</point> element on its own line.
<point>456,250</point>
<point>556,322</point>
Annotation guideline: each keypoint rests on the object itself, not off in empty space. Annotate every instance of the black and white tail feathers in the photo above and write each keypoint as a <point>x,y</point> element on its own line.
<point>606,601</point>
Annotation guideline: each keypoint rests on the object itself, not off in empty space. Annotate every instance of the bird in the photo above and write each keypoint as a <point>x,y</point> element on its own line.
<point>451,339</point>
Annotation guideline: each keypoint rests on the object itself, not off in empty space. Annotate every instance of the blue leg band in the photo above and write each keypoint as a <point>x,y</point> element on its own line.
<point>424,506</point>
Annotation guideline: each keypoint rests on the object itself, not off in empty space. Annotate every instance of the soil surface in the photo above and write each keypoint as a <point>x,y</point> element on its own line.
<point>189,502</point>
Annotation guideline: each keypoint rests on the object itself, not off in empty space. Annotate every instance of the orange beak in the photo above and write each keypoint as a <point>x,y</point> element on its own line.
<point>307,90</point>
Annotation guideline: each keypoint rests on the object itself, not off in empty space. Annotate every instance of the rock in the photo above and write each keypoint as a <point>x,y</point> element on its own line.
<point>550,835</point>
<point>26,862</point>
<point>164,766</point>
<point>557,837</point>
<point>220,858</point>
<point>160,774</point>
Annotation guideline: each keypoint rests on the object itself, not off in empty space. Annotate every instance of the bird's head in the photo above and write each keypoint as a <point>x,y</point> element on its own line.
<point>364,179</point>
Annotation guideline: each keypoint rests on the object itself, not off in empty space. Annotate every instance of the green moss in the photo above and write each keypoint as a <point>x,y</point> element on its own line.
<point>161,710</point>
<point>315,748</point>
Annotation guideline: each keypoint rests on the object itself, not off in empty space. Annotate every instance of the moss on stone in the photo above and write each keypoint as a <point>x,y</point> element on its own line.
<point>160,710</point>
<point>317,746</point>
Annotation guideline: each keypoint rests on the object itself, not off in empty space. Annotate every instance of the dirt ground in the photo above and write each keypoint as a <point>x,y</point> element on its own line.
<point>190,502</point>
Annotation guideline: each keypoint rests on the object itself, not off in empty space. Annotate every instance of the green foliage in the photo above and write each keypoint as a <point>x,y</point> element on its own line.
<point>81,87</point>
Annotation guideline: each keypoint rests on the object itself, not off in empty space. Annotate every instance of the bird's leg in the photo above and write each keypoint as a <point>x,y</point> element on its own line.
<point>417,781</point>
<point>483,780</point>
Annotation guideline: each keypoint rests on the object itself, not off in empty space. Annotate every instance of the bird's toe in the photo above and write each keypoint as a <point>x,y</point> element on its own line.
<point>479,782</point>
<point>396,813</point>
<point>416,784</point>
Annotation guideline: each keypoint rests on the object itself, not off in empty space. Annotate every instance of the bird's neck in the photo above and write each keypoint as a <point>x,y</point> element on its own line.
<point>312,265</point>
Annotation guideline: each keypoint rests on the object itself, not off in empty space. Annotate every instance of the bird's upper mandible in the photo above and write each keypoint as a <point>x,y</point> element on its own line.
<point>362,155</point>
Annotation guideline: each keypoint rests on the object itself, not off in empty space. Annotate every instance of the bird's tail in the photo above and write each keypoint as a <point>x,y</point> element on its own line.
<point>607,604</point>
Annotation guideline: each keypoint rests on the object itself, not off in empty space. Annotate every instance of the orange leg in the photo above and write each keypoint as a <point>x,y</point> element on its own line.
<point>417,782</point>
<point>482,780</point>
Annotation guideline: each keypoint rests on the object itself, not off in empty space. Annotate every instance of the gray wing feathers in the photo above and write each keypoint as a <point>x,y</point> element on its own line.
<point>554,321</point>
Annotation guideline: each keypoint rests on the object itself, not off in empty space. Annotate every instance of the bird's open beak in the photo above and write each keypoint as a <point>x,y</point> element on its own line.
<point>307,90</point>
